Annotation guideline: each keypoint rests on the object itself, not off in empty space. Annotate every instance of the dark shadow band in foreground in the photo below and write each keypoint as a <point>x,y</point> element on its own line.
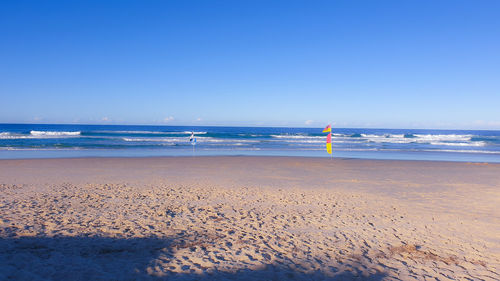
<point>100,258</point>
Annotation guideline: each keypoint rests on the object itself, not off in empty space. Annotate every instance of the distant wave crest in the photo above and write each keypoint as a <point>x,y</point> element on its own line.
<point>146,132</point>
<point>54,133</point>
<point>38,134</point>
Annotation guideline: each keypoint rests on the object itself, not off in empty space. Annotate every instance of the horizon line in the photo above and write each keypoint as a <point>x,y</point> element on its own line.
<point>255,126</point>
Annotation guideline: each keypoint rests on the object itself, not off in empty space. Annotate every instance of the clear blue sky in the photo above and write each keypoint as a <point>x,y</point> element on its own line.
<point>389,64</point>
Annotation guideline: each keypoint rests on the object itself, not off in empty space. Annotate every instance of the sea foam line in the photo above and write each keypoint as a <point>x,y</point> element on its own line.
<point>38,135</point>
<point>297,137</point>
<point>54,133</point>
<point>183,140</point>
<point>147,132</point>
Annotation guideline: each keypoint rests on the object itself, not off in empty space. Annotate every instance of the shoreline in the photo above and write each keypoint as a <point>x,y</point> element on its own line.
<point>251,156</point>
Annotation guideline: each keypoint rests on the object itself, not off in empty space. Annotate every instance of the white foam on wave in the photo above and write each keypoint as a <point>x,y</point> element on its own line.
<point>304,141</point>
<point>5,135</point>
<point>185,140</point>
<point>474,143</point>
<point>156,139</point>
<point>297,137</point>
<point>449,140</point>
<point>37,135</point>
<point>250,135</point>
<point>13,136</point>
<point>150,132</point>
<point>451,137</point>
<point>129,132</point>
<point>384,138</point>
<point>54,133</point>
<point>189,132</point>
<point>161,133</point>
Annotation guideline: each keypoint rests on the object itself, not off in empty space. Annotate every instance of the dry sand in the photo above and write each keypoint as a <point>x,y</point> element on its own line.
<point>248,218</point>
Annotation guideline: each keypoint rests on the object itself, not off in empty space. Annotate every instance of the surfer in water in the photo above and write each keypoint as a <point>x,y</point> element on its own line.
<point>192,136</point>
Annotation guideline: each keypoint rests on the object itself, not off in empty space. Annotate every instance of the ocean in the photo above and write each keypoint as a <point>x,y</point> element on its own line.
<point>57,141</point>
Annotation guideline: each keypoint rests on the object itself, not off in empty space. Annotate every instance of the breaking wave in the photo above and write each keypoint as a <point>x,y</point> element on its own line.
<point>54,133</point>
<point>38,135</point>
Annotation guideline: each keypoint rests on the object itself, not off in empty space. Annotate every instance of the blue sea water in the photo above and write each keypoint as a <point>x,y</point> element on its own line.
<point>54,141</point>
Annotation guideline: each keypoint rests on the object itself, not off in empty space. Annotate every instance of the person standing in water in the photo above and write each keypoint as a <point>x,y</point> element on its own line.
<point>192,140</point>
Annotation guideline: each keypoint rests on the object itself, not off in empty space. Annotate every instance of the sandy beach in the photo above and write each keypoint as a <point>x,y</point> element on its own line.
<point>248,218</point>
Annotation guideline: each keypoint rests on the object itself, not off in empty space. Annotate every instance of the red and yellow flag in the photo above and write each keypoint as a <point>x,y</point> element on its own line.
<point>328,130</point>
<point>329,143</point>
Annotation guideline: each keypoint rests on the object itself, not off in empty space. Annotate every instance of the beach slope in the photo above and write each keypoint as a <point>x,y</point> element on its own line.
<point>248,218</point>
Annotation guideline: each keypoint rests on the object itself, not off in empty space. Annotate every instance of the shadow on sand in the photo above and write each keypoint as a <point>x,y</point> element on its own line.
<point>98,258</point>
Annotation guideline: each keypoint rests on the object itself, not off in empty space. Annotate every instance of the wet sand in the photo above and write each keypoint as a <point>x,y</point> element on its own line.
<point>248,218</point>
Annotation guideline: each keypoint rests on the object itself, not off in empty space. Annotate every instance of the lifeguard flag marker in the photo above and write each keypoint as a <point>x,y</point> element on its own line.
<point>328,130</point>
